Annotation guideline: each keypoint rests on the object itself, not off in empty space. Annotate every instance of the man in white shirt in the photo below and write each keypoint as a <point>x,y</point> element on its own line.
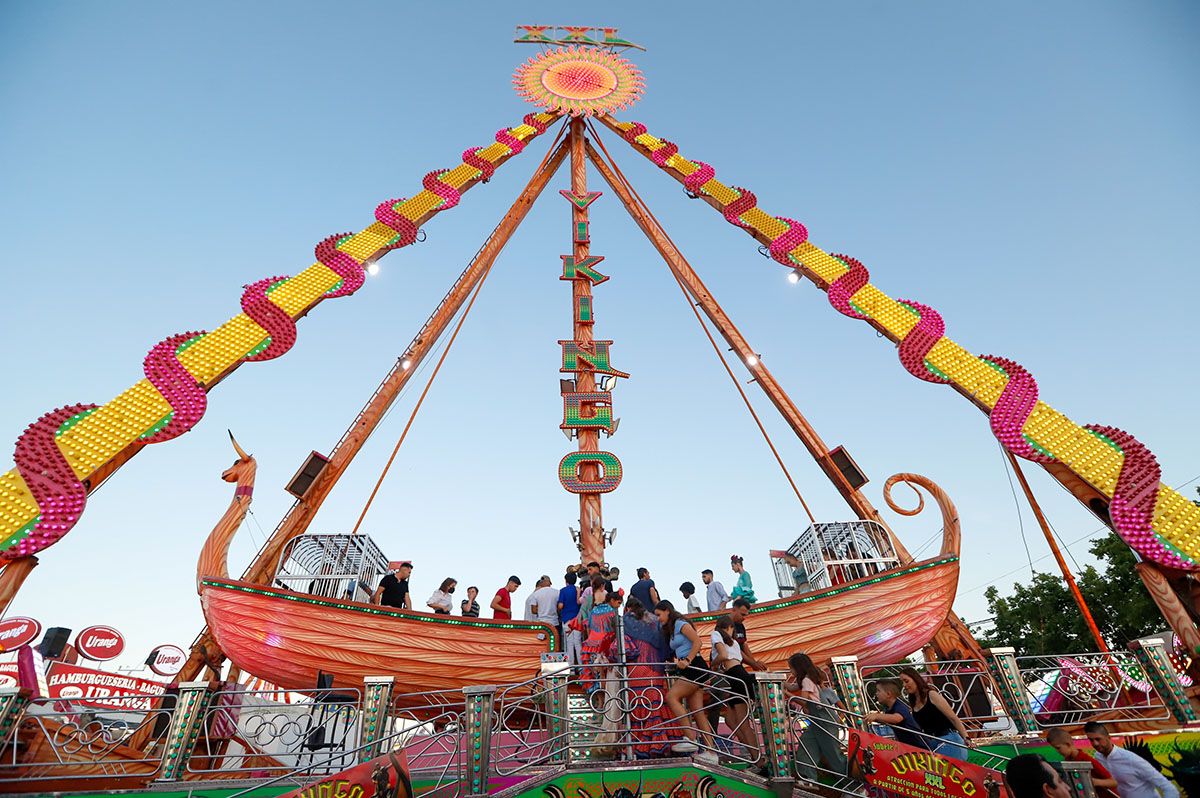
<point>1136,778</point>
<point>717,597</point>
<point>544,602</point>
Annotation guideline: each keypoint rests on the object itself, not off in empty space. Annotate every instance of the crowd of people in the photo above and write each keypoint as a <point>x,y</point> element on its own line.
<point>693,682</point>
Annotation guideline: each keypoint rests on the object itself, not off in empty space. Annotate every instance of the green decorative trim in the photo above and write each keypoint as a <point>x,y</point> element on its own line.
<point>481,623</point>
<point>834,591</point>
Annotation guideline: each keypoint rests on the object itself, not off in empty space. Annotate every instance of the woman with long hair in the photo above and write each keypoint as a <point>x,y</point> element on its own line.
<point>820,740</point>
<point>686,696</point>
<point>648,715</point>
<point>739,700</point>
<point>934,715</point>
<point>440,601</point>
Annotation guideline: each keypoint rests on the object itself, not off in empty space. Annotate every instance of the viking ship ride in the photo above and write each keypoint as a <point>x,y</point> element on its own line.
<point>293,632</point>
<point>300,616</point>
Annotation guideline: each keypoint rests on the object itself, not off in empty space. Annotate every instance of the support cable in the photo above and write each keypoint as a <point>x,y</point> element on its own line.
<point>708,334</point>
<point>442,359</point>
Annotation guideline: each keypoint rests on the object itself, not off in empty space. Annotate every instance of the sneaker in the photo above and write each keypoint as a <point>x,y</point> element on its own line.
<point>685,746</point>
<point>707,757</point>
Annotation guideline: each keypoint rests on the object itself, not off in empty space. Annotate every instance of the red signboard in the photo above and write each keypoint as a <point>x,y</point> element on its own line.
<point>8,674</point>
<point>912,772</point>
<point>17,632</point>
<point>166,660</point>
<point>387,774</point>
<point>99,689</point>
<point>100,643</point>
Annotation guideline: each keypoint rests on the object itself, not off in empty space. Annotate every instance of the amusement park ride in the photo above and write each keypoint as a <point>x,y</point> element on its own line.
<point>300,612</point>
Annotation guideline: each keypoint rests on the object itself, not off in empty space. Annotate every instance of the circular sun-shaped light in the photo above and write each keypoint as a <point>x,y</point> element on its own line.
<point>580,81</point>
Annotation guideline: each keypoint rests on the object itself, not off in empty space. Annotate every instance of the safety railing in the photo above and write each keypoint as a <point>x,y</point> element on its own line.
<point>1071,689</point>
<point>965,684</point>
<point>251,732</point>
<point>612,711</point>
<point>821,739</point>
<point>429,727</point>
<point>57,738</point>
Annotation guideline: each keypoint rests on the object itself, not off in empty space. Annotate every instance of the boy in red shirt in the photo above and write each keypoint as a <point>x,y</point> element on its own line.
<point>502,601</point>
<point>1105,784</point>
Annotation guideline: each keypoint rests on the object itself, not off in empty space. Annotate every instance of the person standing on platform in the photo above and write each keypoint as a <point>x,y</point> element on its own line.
<point>934,715</point>
<point>717,597</point>
<point>1136,778</point>
<point>502,602</point>
<point>393,588</point>
<point>744,587</point>
<point>441,601</point>
<point>896,714</point>
<point>689,595</point>
<point>1030,776</point>
<point>643,589</point>
<point>545,603</point>
<point>568,609</point>
<point>469,605</point>
<point>1062,742</point>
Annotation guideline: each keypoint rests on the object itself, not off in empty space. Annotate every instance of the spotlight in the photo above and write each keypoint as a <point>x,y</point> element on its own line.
<point>751,360</point>
<point>793,276</point>
<point>372,268</point>
<point>406,364</point>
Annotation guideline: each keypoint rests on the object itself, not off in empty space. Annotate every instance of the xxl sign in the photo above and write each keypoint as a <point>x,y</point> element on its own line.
<point>94,688</point>
<point>17,632</point>
<point>912,772</point>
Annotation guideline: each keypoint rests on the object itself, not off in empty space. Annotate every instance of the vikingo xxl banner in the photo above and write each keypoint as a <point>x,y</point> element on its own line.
<point>912,772</point>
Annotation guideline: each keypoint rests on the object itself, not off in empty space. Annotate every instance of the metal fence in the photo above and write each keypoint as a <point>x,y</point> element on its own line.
<point>966,685</point>
<point>1068,690</point>
<point>58,737</point>
<point>250,732</point>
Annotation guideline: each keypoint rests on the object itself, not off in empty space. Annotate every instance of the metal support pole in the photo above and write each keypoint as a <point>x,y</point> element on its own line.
<point>776,726</point>
<point>480,699</point>
<point>1002,664</point>
<point>558,714</point>
<point>13,701</point>
<point>1078,776</point>
<point>377,700</point>
<point>849,684</point>
<point>186,721</point>
<point>1152,656</point>
<point>624,690</point>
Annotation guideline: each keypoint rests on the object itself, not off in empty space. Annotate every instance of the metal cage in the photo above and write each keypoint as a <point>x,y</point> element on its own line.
<point>332,566</point>
<point>833,554</point>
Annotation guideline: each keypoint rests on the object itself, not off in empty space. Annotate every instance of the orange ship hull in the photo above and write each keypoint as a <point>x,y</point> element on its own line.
<point>286,638</point>
<point>880,619</point>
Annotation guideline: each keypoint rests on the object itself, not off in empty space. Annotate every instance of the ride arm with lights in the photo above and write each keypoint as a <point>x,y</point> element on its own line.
<point>1096,463</point>
<point>69,452</point>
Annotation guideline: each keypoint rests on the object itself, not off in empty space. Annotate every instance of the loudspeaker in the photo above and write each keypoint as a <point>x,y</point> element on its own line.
<point>850,470</point>
<point>308,472</point>
<point>54,641</point>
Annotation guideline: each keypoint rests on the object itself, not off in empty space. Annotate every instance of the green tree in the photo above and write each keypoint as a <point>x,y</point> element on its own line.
<point>1042,618</point>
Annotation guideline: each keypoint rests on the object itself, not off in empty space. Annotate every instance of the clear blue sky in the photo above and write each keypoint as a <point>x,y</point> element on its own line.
<point>1029,169</point>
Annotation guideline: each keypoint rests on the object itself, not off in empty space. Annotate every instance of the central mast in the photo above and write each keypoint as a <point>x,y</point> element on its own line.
<point>587,407</point>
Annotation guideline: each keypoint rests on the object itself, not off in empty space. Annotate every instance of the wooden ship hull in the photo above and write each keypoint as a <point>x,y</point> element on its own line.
<point>880,619</point>
<point>286,638</point>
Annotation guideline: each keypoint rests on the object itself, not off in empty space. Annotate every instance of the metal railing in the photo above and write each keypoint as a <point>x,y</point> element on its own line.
<point>819,739</point>
<point>58,737</point>
<point>1071,689</point>
<point>249,732</point>
<point>966,685</point>
<point>618,712</point>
